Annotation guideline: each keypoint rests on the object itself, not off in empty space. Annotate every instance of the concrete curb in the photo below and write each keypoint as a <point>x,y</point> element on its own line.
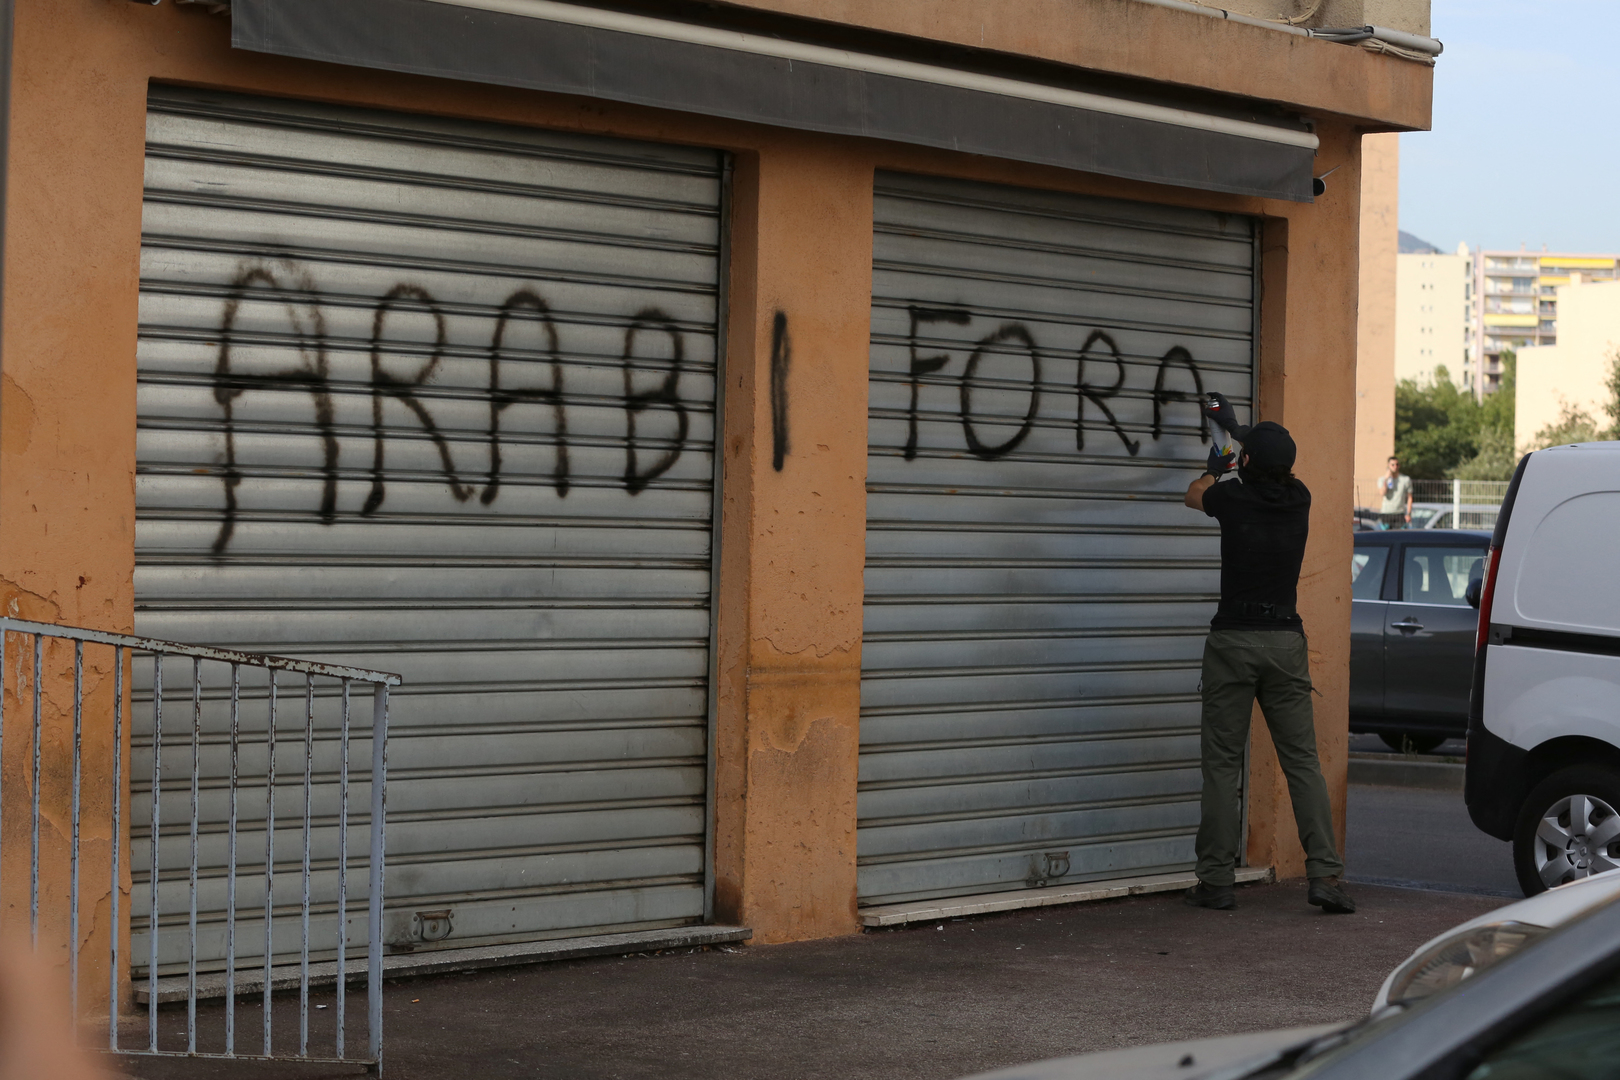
<point>989,903</point>
<point>444,961</point>
<point>1400,770</point>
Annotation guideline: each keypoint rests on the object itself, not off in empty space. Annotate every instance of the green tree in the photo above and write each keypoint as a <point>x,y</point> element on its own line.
<point>1498,408</point>
<point>1436,426</point>
<point>1443,432</point>
<point>1574,425</point>
<point>1496,457</point>
<point>1612,385</point>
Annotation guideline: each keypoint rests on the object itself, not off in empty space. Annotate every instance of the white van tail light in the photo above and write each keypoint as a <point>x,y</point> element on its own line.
<point>1486,594</point>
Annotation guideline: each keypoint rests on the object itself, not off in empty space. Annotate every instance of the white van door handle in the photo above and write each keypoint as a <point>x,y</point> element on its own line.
<point>1405,624</point>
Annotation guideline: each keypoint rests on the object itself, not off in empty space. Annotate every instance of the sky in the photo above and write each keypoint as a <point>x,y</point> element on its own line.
<point>1526,141</point>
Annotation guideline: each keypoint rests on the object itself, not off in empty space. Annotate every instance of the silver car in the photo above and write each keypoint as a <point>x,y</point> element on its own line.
<point>1526,992</point>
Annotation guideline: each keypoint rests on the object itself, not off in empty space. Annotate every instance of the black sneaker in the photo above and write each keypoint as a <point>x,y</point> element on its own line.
<point>1218,897</point>
<point>1327,894</point>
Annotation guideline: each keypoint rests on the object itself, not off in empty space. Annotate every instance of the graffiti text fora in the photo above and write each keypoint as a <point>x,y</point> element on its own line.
<point>1100,349</point>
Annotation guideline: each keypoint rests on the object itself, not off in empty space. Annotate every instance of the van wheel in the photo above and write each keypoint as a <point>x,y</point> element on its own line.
<point>1405,743</point>
<point>1568,828</point>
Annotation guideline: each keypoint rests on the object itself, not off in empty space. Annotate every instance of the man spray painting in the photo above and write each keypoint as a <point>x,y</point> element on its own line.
<point>1256,650</point>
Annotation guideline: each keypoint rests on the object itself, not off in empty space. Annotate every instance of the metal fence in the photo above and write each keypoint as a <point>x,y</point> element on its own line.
<point>1442,504</point>
<point>231,707</point>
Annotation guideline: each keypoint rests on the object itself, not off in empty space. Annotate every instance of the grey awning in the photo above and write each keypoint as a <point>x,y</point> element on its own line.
<point>576,49</point>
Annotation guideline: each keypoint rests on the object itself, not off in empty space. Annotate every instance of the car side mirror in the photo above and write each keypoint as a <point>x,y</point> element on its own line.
<point>1475,587</point>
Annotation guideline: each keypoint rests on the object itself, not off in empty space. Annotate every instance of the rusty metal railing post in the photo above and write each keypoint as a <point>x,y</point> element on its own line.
<point>177,958</point>
<point>374,922</point>
<point>117,837</point>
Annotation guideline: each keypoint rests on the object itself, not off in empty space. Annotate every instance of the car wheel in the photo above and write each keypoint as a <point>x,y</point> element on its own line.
<point>1569,828</point>
<point>1411,744</point>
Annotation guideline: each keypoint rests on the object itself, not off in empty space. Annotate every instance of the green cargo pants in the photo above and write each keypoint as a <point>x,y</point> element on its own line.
<point>1272,665</point>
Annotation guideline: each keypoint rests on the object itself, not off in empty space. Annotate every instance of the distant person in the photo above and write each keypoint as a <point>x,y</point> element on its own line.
<point>1256,649</point>
<point>1396,488</point>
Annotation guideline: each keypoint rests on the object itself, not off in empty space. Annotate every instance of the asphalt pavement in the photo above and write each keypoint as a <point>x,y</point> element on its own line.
<point>935,1001</point>
<point>1422,838</point>
<point>1450,750</point>
<point>927,1002</point>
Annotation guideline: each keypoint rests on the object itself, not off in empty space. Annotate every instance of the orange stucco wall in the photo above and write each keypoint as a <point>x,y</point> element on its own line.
<point>1307,383</point>
<point>1179,48</point>
<point>1375,344</point>
<point>792,540</point>
<point>790,651</point>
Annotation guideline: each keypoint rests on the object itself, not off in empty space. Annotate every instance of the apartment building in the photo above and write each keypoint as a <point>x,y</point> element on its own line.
<point>1518,303</point>
<point>1434,298</point>
<point>1571,375</point>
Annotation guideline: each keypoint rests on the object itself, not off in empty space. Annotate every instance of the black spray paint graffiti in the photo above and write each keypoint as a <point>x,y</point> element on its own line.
<point>1097,396</point>
<point>1007,332</point>
<point>501,399</point>
<point>924,364</point>
<point>781,359</point>
<point>927,365</point>
<point>635,401</point>
<point>384,384</point>
<point>309,326</point>
<point>1177,355</point>
<point>293,286</point>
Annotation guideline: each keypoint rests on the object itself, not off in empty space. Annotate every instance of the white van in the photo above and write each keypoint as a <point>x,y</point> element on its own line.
<point>1544,712</point>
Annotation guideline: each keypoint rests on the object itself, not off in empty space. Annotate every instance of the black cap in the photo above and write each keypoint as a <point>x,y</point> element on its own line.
<point>1270,447</point>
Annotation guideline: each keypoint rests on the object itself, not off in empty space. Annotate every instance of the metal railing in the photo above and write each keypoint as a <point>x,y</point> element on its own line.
<point>1443,504</point>
<point>173,860</point>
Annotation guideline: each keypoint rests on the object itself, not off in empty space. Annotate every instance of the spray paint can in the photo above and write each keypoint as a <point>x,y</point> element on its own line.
<point>1223,438</point>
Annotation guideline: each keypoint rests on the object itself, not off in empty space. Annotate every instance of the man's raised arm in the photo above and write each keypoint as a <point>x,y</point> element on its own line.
<point>1196,489</point>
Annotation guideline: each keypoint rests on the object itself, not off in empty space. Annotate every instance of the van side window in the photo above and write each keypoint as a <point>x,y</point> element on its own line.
<point>1438,575</point>
<point>1367,572</point>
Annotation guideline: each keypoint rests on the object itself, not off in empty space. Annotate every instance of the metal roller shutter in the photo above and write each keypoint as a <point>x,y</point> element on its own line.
<point>1036,593</point>
<point>438,397</point>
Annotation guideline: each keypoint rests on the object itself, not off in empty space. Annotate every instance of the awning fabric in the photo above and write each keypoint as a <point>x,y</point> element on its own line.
<point>575,49</point>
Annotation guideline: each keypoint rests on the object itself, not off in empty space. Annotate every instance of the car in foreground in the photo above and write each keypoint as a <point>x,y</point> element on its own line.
<point>1544,720</point>
<point>1469,947</point>
<point>1412,633</point>
<point>1525,992</point>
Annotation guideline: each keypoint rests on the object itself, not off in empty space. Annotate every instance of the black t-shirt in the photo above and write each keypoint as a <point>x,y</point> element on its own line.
<point>1263,530</point>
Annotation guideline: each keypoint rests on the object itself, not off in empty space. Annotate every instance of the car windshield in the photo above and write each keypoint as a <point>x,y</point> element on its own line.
<point>1580,1041</point>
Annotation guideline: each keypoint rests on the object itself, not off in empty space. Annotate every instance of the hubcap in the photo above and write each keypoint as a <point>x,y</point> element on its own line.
<point>1578,836</point>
